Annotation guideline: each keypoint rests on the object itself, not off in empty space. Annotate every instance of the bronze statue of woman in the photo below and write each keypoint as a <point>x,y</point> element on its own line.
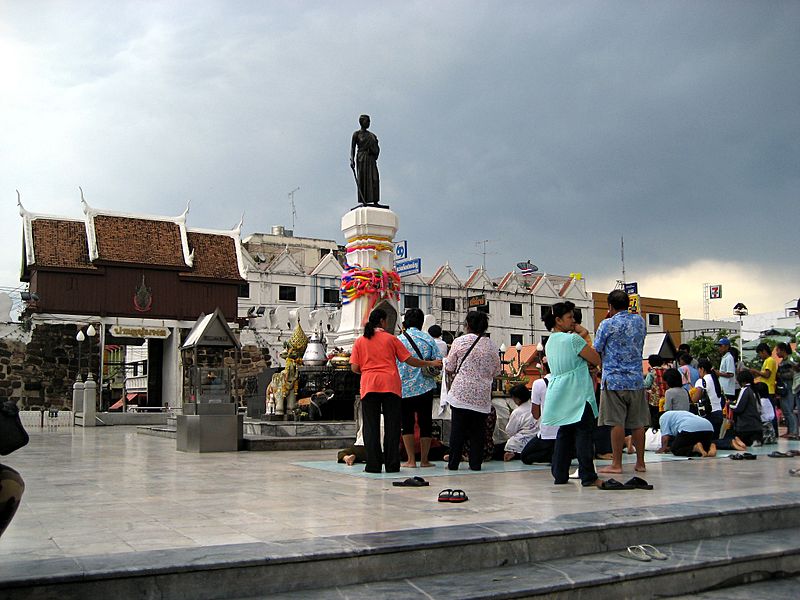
<point>365,163</point>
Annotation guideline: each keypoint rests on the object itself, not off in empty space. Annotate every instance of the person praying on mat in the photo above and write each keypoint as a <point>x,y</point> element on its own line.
<point>686,434</point>
<point>521,426</point>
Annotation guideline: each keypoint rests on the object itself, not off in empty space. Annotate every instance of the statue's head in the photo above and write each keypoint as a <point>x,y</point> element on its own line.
<point>363,120</point>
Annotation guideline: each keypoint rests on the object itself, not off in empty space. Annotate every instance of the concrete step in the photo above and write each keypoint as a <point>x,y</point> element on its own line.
<point>709,543</point>
<point>299,428</point>
<point>691,567</point>
<point>165,431</point>
<point>262,443</point>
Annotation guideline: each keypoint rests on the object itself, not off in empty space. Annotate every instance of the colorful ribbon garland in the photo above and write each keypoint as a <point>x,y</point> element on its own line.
<point>358,281</point>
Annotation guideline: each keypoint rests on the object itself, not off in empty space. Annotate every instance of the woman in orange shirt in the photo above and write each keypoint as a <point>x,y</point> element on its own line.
<point>373,357</point>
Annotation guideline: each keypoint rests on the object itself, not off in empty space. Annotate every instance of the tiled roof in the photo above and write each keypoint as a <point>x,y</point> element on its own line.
<point>141,241</point>
<point>214,256</point>
<point>60,243</point>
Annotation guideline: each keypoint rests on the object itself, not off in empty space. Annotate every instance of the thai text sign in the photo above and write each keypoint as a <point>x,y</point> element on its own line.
<point>475,301</point>
<point>161,333</point>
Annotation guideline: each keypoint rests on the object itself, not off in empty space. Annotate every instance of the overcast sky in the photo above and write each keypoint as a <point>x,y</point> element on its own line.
<point>550,129</point>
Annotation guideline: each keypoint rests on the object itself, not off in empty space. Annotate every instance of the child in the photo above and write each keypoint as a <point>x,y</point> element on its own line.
<point>676,396</point>
<point>521,427</point>
<point>767,414</point>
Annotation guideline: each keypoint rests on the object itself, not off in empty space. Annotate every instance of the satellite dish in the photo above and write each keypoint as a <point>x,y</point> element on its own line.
<point>527,266</point>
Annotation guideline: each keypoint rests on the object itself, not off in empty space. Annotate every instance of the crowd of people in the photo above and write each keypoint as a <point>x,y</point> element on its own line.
<point>592,400</point>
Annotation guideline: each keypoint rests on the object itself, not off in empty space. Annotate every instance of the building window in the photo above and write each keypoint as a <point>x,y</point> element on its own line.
<point>654,320</point>
<point>483,307</point>
<point>449,304</point>
<point>517,338</point>
<point>330,296</point>
<point>410,301</point>
<point>515,309</point>
<point>544,311</point>
<point>244,290</point>
<point>287,293</point>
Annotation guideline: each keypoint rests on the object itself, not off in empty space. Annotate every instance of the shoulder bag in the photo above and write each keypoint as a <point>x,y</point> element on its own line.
<point>12,434</point>
<point>429,372</point>
<point>450,377</point>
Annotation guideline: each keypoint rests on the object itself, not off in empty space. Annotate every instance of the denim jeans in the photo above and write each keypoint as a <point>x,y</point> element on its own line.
<point>575,439</point>
<point>787,402</point>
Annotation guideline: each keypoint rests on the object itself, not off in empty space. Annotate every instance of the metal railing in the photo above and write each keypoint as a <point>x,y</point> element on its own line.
<point>46,419</point>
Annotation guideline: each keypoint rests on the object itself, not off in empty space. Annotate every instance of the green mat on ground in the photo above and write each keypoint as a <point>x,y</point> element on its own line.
<point>494,466</point>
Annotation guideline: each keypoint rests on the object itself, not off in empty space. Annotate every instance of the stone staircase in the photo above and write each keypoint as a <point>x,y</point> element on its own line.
<point>279,435</point>
<point>298,435</point>
<point>710,545</point>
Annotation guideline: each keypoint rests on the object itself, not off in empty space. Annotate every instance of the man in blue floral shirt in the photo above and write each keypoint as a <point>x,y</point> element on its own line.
<point>417,389</point>
<point>620,340</point>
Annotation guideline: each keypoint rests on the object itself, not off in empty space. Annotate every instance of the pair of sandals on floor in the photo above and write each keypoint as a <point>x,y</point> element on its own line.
<point>787,454</point>
<point>643,553</point>
<point>634,483</point>
<point>743,456</point>
<point>448,495</point>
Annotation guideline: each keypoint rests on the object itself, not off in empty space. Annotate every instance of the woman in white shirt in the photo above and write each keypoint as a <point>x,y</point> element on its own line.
<point>709,382</point>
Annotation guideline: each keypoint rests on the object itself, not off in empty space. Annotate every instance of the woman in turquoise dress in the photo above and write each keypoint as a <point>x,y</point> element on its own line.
<point>570,402</point>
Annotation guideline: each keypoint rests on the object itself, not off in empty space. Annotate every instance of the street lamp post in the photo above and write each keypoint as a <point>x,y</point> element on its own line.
<point>80,337</point>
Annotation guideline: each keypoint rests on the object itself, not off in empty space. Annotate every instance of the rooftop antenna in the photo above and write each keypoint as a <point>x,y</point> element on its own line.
<point>483,252</point>
<point>622,253</point>
<point>291,203</point>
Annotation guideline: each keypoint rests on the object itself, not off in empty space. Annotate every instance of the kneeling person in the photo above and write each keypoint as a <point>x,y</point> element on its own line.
<point>686,434</point>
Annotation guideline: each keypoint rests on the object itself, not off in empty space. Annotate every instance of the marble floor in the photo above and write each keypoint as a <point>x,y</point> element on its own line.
<point>111,490</point>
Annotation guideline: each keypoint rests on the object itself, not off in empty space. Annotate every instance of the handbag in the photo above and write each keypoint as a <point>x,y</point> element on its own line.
<point>12,434</point>
<point>429,372</point>
<point>450,377</point>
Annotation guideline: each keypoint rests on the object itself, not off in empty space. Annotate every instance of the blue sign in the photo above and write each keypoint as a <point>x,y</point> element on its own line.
<point>632,288</point>
<point>408,267</point>
<point>401,250</point>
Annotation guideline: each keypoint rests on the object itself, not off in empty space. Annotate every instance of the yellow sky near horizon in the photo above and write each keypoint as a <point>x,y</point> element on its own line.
<point>761,288</point>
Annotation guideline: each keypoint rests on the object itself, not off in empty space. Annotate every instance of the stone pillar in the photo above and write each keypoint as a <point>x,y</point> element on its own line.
<point>89,401</point>
<point>77,397</point>
<point>369,232</point>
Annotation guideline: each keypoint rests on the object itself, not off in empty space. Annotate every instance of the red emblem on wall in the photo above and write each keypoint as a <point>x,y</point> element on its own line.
<point>143,299</point>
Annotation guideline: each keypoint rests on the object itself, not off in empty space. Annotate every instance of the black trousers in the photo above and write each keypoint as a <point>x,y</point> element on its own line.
<point>466,424</point>
<point>372,405</point>
<point>683,443</point>
<point>575,439</point>
<point>538,451</point>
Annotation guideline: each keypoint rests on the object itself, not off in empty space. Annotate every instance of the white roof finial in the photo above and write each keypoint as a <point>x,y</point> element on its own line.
<point>86,207</point>
<point>22,211</point>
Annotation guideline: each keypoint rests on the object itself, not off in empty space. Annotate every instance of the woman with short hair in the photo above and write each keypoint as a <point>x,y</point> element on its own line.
<point>475,360</point>
<point>571,401</point>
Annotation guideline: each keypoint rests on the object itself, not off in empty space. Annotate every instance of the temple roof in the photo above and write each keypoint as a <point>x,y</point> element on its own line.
<point>105,237</point>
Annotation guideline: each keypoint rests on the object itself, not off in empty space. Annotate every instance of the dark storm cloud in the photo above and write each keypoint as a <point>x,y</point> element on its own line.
<point>550,129</point>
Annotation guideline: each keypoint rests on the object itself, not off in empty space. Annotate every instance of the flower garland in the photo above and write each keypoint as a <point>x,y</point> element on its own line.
<point>358,281</point>
<point>376,244</point>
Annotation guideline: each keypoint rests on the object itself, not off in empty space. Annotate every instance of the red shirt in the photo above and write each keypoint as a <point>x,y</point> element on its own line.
<point>376,358</point>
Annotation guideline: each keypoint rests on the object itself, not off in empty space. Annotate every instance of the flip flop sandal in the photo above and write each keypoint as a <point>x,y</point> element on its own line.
<point>638,483</point>
<point>777,454</point>
<point>444,495</point>
<point>748,456</point>
<point>636,553</point>
<point>736,457</point>
<point>411,482</point>
<point>613,484</point>
<point>794,472</point>
<point>793,452</point>
<point>458,496</point>
<point>653,552</point>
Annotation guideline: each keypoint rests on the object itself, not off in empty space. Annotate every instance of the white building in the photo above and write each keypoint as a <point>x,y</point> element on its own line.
<point>788,318</point>
<point>293,279</point>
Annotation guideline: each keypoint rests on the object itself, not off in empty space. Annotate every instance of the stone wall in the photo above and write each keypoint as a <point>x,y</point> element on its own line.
<point>39,368</point>
<point>40,373</point>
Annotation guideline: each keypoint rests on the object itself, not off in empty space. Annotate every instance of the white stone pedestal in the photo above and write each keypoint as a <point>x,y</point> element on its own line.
<point>367,226</point>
